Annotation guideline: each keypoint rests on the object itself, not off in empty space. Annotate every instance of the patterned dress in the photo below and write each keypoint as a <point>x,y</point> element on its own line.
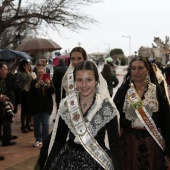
<point>140,151</point>
<point>70,154</point>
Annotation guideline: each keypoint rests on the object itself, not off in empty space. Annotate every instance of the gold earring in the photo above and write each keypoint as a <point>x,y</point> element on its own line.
<point>147,79</point>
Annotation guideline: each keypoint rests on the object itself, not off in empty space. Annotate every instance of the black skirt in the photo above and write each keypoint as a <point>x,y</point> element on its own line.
<point>140,151</point>
<point>75,157</point>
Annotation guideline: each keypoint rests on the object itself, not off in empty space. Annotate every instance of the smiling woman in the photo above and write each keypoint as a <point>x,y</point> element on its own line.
<point>77,55</point>
<point>86,86</point>
<point>89,122</point>
<point>86,83</point>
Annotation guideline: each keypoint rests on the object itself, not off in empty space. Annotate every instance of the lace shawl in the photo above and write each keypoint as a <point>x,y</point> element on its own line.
<point>100,113</point>
<point>64,80</point>
<point>102,88</point>
<point>150,102</point>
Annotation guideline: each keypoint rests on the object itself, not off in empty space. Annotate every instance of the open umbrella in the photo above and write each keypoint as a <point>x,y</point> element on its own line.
<point>38,45</point>
<point>12,54</point>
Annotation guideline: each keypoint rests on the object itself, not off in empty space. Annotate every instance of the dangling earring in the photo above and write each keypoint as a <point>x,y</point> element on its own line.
<point>147,79</point>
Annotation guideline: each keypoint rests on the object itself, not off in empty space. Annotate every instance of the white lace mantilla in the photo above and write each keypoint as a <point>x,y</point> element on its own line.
<point>150,102</point>
<point>64,80</point>
<point>100,113</point>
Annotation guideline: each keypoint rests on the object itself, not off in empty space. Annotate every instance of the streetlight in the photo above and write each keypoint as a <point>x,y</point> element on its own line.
<point>129,37</point>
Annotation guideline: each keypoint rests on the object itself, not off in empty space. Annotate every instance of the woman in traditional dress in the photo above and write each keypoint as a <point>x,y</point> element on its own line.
<point>84,116</point>
<point>77,55</point>
<point>144,118</point>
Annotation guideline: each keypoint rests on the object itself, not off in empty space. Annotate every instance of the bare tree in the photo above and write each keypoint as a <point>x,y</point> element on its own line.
<point>21,15</point>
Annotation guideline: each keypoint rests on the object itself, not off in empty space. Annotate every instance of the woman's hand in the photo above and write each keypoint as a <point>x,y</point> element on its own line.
<point>47,82</point>
<point>26,67</point>
<point>39,83</point>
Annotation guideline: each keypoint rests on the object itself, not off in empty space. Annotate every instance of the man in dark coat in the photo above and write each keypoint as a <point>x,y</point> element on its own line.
<point>5,109</point>
<point>58,74</point>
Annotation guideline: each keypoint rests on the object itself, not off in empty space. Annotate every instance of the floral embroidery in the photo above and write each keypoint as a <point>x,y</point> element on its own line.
<point>76,116</point>
<point>150,102</point>
<point>105,112</point>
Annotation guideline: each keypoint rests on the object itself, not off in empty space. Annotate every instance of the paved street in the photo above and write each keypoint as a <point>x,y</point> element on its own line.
<point>23,155</point>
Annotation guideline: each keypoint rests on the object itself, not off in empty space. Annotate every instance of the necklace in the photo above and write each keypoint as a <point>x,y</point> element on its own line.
<point>143,90</point>
<point>85,104</point>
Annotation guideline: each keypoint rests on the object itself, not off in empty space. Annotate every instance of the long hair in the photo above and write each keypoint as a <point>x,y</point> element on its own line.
<point>81,50</point>
<point>148,66</point>
<point>107,73</point>
<point>87,65</point>
<point>21,65</point>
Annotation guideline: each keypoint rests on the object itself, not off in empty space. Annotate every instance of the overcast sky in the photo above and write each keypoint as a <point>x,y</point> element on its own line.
<point>141,20</point>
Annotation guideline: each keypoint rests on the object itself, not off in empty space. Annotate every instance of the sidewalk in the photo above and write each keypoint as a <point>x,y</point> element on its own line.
<point>23,155</point>
<point>15,155</point>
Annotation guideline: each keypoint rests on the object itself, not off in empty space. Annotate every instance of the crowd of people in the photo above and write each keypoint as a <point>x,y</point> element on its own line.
<point>136,120</point>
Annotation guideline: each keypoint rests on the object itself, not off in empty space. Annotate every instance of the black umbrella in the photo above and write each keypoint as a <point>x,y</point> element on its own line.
<point>12,54</point>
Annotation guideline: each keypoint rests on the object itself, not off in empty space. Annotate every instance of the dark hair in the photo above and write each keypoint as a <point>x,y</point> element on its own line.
<point>61,60</point>
<point>158,63</point>
<point>2,64</point>
<point>43,58</point>
<point>21,65</point>
<point>87,65</point>
<point>107,73</point>
<point>81,50</point>
<point>148,66</point>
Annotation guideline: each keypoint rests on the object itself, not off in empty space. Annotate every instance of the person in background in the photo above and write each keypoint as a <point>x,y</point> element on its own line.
<point>42,62</point>
<point>77,55</point>
<point>3,74</point>
<point>34,76</point>
<point>144,118</point>
<point>6,108</point>
<point>74,153</point>
<point>159,65</point>
<point>109,60</point>
<point>167,74</point>
<point>12,86</point>
<point>110,77</point>
<point>58,74</point>
<point>24,79</point>
<point>161,80</point>
<point>41,91</point>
